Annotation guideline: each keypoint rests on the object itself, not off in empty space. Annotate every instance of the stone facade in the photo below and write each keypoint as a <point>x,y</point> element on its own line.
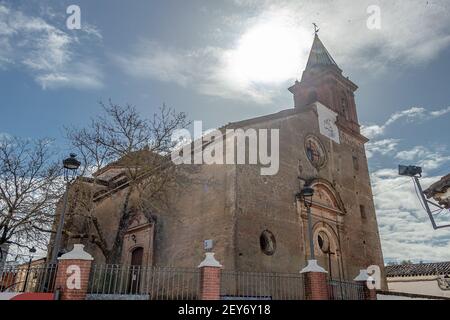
<point>234,204</point>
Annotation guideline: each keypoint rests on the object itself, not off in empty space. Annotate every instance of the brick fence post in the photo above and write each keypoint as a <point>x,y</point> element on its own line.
<point>316,281</point>
<point>370,293</point>
<point>210,273</point>
<point>73,272</point>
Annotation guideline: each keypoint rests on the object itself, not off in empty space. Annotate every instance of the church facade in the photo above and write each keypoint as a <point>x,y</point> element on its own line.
<point>255,222</point>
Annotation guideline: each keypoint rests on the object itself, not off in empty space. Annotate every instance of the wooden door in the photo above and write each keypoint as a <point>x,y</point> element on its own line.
<point>136,269</point>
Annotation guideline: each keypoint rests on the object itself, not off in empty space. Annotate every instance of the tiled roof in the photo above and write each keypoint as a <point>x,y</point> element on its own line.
<point>421,269</point>
<point>319,56</point>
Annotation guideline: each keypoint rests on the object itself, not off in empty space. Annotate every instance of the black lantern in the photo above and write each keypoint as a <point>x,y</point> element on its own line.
<point>71,166</point>
<point>306,195</point>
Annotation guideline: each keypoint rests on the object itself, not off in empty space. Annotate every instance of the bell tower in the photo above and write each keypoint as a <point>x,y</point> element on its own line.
<point>322,81</point>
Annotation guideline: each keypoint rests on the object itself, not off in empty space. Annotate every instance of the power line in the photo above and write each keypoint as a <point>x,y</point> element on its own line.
<point>390,189</point>
<point>441,172</point>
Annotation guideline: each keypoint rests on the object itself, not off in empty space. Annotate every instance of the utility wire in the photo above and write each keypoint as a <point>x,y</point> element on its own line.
<point>390,189</point>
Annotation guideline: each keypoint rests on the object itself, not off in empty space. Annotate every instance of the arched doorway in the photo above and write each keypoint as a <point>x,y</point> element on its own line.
<point>136,256</point>
<point>328,212</point>
<point>327,250</point>
<point>136,269</point>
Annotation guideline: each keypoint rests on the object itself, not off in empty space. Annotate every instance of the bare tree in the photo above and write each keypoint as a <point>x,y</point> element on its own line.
<point>141,148</point>
<point>30,186</point>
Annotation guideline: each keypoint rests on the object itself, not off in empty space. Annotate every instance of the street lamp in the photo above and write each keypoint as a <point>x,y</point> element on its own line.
<point>31,251</point>
<point>70,166</point>
<point>306,195</point>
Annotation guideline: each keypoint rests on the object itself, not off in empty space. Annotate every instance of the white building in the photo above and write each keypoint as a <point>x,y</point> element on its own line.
<point>430,279</point>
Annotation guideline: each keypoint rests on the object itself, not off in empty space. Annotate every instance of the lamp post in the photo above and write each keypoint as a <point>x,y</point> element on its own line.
<point>306,195</point>
<point>70,166</point>
<point>31,251</point>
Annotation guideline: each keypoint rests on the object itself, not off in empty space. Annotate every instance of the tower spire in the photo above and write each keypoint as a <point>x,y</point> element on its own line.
<point>319,56</point>
<point>323,81</point>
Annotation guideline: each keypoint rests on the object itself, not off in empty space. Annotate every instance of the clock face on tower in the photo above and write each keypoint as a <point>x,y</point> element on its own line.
<point>315,152</point>
<point>327,122</point>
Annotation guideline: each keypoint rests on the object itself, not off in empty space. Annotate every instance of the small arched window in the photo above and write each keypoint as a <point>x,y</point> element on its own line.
<point>344,105</point>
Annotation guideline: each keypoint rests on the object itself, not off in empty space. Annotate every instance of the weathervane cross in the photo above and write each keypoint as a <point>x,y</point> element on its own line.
<point>316,28</point>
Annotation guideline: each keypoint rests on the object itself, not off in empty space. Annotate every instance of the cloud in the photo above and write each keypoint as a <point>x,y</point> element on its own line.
<point>424,157</point>
<point>79,76</point>
<point>440,113</point>
<point>372,49</point>
<point>405,229</point>
<point>413,154</point>
<point>150,60</point>
<point>272,39</point>
<point>382,147</point>
<point>4,135</point>
<point>48,53</point>
<point>410,115</point>
<point>205,70</point>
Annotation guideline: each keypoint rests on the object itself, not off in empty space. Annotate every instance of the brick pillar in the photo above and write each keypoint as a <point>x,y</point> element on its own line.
<point>73,272</point>
<point>210,272</point>
<point>370,293</point>
<point>316,281</point>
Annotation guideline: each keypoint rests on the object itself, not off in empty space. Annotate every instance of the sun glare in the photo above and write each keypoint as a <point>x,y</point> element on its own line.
<point>268,53</point>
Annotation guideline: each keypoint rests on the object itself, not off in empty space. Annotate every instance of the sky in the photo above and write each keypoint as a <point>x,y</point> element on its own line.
<point>224,61</point>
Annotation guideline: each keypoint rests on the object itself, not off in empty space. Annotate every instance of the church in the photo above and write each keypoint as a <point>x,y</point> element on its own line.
<point>258,223</point>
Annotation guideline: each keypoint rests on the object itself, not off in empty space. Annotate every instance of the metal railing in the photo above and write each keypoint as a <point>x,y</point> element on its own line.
<point>23,278</point>
<point>154,283</point>
<point>345,290</point>
<point>262,286</point>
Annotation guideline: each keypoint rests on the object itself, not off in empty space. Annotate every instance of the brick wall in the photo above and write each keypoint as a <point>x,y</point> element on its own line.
<point>66,279</point>
<point>210,283</point>
<point>316,286</point>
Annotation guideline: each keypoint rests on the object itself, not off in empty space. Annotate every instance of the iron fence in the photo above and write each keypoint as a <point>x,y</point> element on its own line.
<point>262,286</point>
<point>24,278</point>
<point>154,283</point>
<point>345,290</point>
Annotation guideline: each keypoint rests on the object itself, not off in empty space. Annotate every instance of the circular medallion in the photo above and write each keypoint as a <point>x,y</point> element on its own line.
<point>315,152</point>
